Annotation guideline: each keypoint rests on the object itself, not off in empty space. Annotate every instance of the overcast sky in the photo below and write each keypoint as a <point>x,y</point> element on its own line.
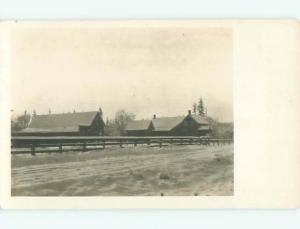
<point>146,71</point>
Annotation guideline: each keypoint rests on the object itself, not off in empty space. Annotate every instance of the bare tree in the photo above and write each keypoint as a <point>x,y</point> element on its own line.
<point>20,122</point>
<point>122,118</point>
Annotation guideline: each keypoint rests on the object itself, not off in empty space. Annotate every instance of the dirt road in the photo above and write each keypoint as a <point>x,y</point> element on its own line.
<point>142,170</point>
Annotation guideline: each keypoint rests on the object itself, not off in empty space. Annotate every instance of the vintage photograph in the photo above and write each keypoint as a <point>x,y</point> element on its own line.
<point>122,111</point>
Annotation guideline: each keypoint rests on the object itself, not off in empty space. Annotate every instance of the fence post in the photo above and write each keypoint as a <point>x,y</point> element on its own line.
<point>103,143</point>
<point>160,143</point>
<point>84,146</point>
<point>148,142</point>
<point>121,145</point>
<point>135,143</point>
<point>60,148</point>
<point>32,149</point>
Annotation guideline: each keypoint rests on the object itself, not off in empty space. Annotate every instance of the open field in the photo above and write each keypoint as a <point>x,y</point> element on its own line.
<point>142,170</point>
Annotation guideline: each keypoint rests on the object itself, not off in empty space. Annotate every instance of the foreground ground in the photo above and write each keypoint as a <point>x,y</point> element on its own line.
<point>141,170</point>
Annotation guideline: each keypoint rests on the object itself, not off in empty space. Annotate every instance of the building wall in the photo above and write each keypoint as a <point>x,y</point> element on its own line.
<point>95,129</point>
<point>204,132</point>
<point>161,133</point>
<point>137,132</point>
<point>188,127</point>
<point>146,132</point>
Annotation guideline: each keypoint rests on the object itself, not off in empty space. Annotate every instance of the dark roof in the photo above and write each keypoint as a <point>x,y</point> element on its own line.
<point>199,119</point>
<point>138,125</point>
<point>50,130</point>
<point>167,123</point>
<point>164,123</point>
<point>66,122</point>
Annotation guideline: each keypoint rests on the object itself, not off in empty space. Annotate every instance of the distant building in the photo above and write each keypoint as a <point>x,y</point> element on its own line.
<point>66,124</point>
<point>168,126</point>
<point>189,125</point>
<point>139,128</point>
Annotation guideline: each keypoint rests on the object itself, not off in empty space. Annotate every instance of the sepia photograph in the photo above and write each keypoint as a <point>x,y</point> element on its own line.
<point>122,110</point>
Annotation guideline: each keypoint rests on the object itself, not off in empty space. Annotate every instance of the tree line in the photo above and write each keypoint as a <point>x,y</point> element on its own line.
<point>116,126</point>
<point>20,122</point>
<point>199,108</point>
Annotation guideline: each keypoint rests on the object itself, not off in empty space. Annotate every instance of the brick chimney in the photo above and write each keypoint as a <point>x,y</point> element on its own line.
<point>154,116</point>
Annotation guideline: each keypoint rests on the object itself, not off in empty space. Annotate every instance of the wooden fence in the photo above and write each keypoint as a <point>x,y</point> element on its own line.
<point>33,145</point>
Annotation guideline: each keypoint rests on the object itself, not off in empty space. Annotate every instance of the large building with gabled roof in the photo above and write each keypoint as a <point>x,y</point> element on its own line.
<point>139,128</point>
<point>66,124</point>
<point>189,125</point>
<point>166,125</point>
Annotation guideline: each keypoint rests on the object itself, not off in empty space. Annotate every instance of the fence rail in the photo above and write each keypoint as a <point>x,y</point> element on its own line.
<point>33,145</point>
